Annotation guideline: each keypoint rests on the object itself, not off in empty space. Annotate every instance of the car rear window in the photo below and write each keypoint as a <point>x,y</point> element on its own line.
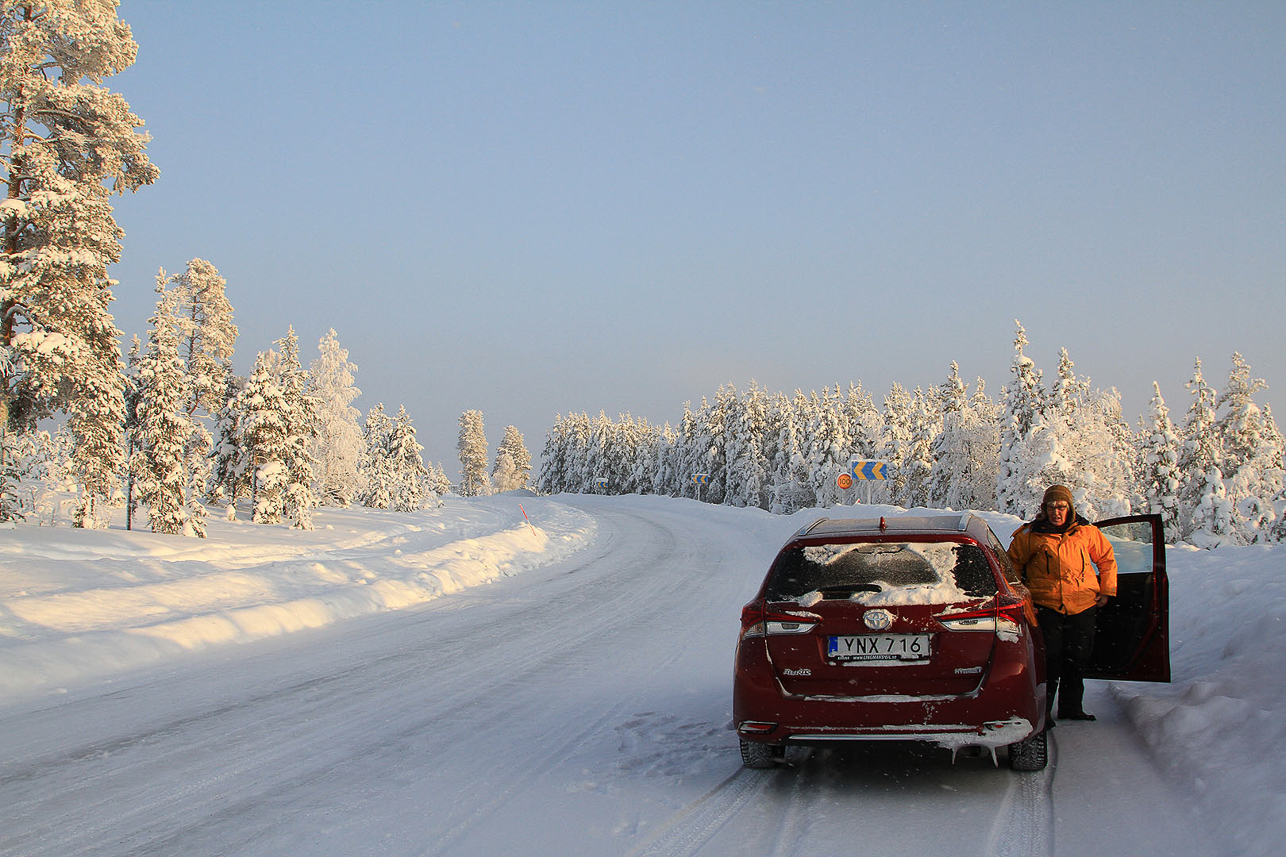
<point>883,572</point>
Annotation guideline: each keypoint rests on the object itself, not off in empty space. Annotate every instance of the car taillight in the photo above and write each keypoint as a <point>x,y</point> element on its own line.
<point>758,621</point>
<point>985,617</point>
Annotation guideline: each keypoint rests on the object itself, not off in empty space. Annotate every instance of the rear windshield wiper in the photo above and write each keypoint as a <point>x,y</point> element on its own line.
<point>835,593</point>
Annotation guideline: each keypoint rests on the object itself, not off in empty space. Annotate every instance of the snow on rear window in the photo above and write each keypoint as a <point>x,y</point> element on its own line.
<point>882,573</point>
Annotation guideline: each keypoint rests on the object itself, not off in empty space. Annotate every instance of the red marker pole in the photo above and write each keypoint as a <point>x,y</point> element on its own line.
<point>525,518</point>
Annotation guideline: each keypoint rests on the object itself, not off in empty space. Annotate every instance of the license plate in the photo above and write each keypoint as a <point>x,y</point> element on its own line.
<point>879,647</point>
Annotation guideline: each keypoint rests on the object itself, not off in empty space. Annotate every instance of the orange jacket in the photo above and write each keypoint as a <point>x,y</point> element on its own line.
<point>1057,566</point>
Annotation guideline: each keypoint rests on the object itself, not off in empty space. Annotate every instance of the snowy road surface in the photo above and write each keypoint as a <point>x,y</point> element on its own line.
<point>581,708</point>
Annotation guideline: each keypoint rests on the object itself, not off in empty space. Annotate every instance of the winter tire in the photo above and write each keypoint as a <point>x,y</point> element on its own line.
<point>1030,754</point>
<point>757,755</point>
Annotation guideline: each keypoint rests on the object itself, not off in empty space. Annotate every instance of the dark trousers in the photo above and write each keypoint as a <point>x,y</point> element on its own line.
<point>1069,639</point>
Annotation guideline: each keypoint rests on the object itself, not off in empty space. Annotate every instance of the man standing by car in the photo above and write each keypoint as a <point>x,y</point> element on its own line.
<point>1057,554</point>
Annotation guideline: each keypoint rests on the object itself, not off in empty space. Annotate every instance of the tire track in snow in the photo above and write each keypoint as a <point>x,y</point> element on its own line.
<point>688,830</point>
<point>1024,825</point>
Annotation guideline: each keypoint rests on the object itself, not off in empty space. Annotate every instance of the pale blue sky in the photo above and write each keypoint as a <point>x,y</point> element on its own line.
<point>538,208</point>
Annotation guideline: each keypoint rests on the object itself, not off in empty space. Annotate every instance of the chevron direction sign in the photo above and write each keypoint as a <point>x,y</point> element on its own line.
<point>701,478</point>
<point>867,469</point>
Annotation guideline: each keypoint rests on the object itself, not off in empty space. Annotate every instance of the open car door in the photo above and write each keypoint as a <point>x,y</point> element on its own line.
<point>1132,638</point>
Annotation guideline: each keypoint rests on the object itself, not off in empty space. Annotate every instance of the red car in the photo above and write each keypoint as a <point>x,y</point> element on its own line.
<point>919,629</point>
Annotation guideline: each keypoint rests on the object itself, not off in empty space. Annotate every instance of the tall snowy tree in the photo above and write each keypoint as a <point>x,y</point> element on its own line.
<point>69,144</point>
<point>230,469</point>
<point>1024,408</point>
<point>512,469</point>
<point>264,434</point>
<point>337,449</point>
<point>406,490</point>
<point>300,416</point>
<point>747,461</point>
<point>1252,455</point>
<point>953,454</point>
<point>1204,514</point>
<point>160,469</point>
<point>472,446</point>
<point>207,336</point>
<point>1159,477</point>
<point>895,443</point>
<point>377,464</point>
<point>791,487</point>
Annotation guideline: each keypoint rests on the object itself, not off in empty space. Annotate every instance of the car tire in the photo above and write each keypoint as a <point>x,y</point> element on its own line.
<point>1030,754</point>
<point>758,755</point>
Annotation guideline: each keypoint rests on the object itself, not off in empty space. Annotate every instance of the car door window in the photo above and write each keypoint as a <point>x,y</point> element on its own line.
<point>1132,637</point>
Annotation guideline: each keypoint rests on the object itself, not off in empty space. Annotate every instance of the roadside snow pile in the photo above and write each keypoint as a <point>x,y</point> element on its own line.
<point>81,603</point>
<point>1218,729</point>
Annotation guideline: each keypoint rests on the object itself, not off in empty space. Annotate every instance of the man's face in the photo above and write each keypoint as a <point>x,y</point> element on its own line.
<point>1057,512</point>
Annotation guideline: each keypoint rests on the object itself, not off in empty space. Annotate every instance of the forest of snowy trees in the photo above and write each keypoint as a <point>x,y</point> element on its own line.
<point>170,432</point>
<point>1215,477</point>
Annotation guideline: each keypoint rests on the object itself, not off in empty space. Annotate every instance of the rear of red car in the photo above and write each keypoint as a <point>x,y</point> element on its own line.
<point>890,629</point>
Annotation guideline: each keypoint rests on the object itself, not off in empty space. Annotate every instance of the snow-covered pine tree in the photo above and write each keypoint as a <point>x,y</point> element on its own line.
<point>579,437</point>
<point>1024,406</point>
<point>512,469</point>
<point>69,144</point>
<point>1252,455</point>
<point>553,458</point>
<point>862,422</point>
<point>1202,494</point>
<point>688,457</point>
<point>926,420</point>
<point>436,483</point>
<point>664,477</point>
<point>826,446</point>
<point>949,453</point>
<point>713,420</point>
<point>895,444</point>
<point>208,337</point>
<point>642,464</point>
<point>406,491</point>
<point>1080,440</point>
<point>598,463</point>
<point>747,462</point>
<point>230,471</point>
<point>982,439</point>
<point>300,414</point>
<point>1159,478</point>
<point>791,488</point>
<point>472,446</point>
<point>264,434</point>
<point>37,464</point>
<point>164,427</point>
<point>377,463</point>
<point>338,447</point>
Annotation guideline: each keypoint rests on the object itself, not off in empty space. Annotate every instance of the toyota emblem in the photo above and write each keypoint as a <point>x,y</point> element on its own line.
<point>878,620</point>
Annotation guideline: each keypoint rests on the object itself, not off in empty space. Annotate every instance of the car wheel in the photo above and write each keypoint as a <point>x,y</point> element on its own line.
<point>1030,754</point>
<point>757,755</point>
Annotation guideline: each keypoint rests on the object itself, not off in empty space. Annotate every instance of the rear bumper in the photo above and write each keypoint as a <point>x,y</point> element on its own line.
<point>993,733</point>
<point>1007,706</point>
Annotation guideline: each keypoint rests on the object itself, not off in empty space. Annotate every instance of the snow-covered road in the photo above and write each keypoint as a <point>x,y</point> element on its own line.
<point>579,708</point>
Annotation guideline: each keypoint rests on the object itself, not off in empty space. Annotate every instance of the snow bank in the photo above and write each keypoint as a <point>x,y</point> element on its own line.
<point>76,604</point>
<point>1218,729</point>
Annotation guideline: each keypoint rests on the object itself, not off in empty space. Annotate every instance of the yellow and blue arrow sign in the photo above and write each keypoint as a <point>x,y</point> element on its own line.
<point>869,469</point>
<point>701,478</point>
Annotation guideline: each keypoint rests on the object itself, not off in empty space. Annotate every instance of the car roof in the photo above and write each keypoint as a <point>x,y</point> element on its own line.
<point>895,525</point>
